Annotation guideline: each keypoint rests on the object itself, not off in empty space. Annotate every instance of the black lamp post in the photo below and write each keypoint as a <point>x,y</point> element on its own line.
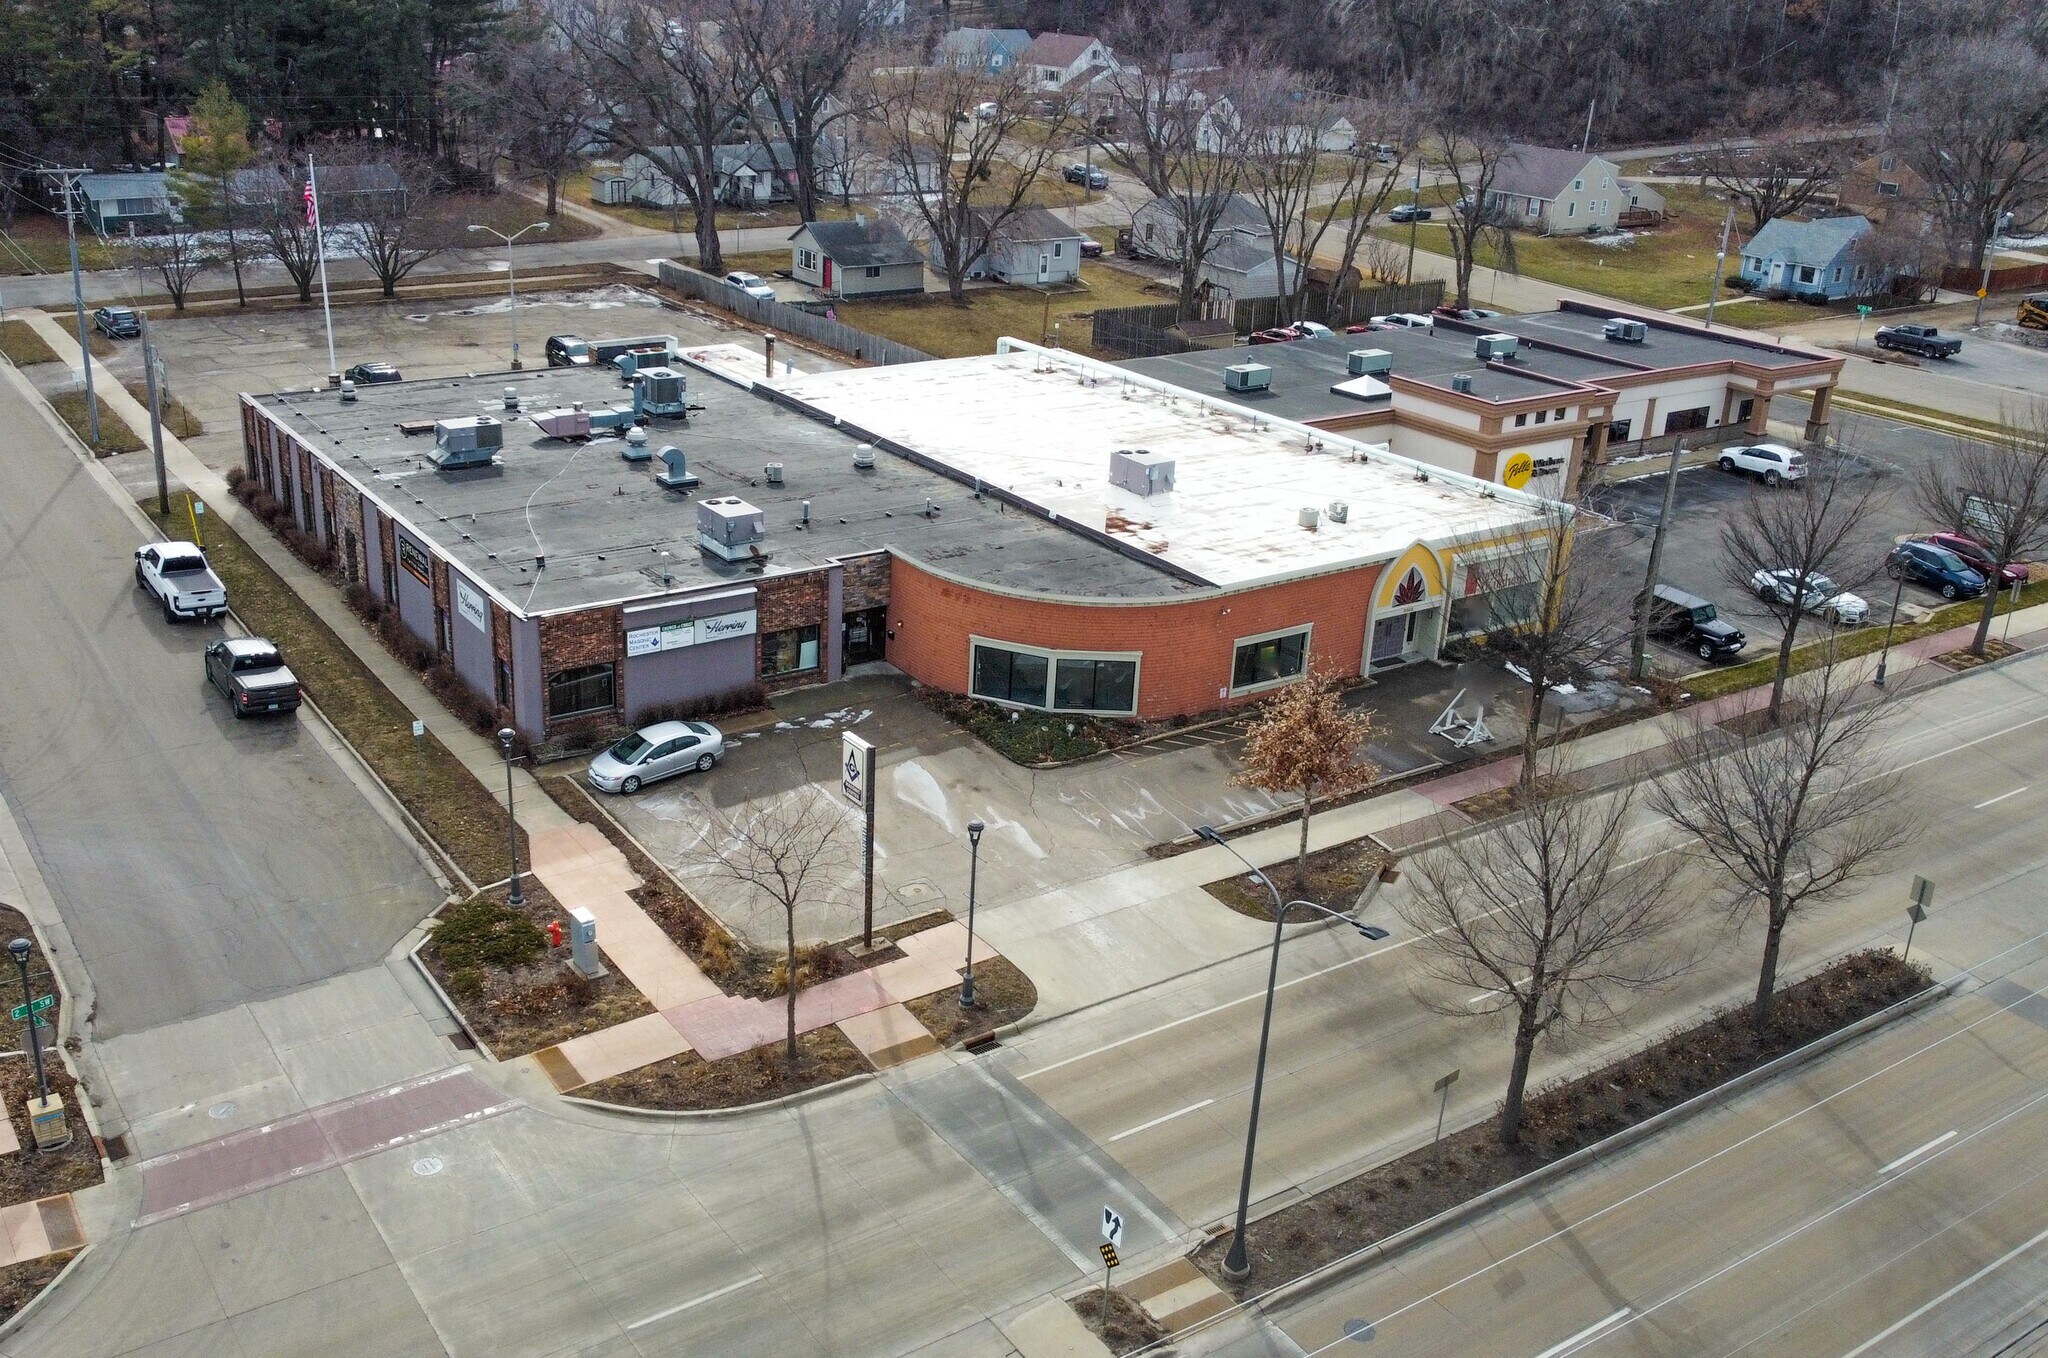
<point>505,738</point>
<point>974,829</point>
<point>1237,1263</point>
<point>20,947</point>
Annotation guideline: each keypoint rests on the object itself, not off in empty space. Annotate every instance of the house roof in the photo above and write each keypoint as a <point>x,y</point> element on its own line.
<point>1031,224</point>
<point>962,41</point>
<point>1237,255</point>
<point>1239,214</point>
<point>1813,243</point>
<point>359,179</point>
<point>1538,171</point>
<point>146,184</point>
<point>1057,49</point>
<point>1193,61</point>
<point>876,242</point>
<point>259,184</point>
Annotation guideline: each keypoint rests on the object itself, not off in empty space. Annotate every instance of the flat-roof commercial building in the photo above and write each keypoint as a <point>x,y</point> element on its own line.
<point>1030,526</point>
<point>1526,401</point>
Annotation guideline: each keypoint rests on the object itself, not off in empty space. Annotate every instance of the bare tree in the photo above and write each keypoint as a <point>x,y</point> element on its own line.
<point>799,53</point>
<point>1793,816</point>
<point>1282,118</point>
<point>1471,159</point>
<point>1306,742</point>
<point>678,89</point>
<point>1995,491</point>
<point>384,207</point>
<point>1381,260</point>
<point>528,95</point>
<point>1974,126</point>
<point>1356,195</point>
<point>288,238</point>
<point>177,255</point>
<point>1796,549</point>
<point>1777,174</point>
<point>788,849</point>
<point>1161,127</point>
<point>1544,913</point>
<point>1555,607</point>
<point>1903,245</point>
<point>964,119</point>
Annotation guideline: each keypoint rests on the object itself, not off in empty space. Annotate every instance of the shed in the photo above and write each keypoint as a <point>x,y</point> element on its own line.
<point>1246,270</point>
<point>861,258</point>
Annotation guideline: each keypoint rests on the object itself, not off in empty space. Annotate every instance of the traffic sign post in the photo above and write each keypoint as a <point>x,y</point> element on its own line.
<point>22,1011</point>
<point>856,782</point>
<point>1923,901</point>
<point>1112,1236</point>
<point>1443,1089</point>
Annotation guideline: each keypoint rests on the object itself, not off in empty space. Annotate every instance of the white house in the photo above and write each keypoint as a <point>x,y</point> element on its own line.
<point>1330,130</point>
<point>866,257</point>
<point>1554,190</point>
<point>1055,61</point>
<point>1158,231</point>
<point>1031,246</point>
<point>1247,270</point>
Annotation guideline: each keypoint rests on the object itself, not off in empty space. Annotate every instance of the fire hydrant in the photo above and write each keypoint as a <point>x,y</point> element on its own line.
<point>554,933</point>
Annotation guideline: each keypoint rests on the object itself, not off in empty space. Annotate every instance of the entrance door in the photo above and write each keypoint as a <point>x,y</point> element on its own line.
<point>1044,267</point>
<point>863,636</point>
<point>828,274</point>
<point>1389,639</point>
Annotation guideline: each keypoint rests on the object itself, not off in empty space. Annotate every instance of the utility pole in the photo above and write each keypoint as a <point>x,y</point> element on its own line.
<point>92,403</point>
<point>1639,653</point>
<point>1416,203</point>
<point>152,374</point>
<point>1720,262</point>
<point>1587,140</point>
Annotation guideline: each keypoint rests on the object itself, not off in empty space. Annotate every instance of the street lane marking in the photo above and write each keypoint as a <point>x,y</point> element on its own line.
<point>1485,995</point>
<point>1910,1156</point>
<point>1999,798</point>
<point>696,1301</point>
<point>1907,1319</point>
<point>1596,1328</point>
<point>1148,1126</point>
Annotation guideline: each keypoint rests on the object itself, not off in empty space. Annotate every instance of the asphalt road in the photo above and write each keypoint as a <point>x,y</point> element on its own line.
<point>197,860</point>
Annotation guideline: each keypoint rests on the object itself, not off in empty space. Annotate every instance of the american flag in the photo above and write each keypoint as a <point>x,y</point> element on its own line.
<point>312,208</point>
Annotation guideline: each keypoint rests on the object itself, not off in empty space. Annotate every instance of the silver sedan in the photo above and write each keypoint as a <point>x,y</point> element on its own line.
<point>656,752</point>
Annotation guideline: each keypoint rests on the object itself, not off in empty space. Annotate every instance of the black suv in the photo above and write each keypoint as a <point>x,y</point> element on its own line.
<point>117,322</point>
<point>1688,621</point>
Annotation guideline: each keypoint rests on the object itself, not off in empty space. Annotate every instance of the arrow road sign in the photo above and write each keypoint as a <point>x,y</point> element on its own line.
<point>1112,1226</point>
<point>22,1011</point>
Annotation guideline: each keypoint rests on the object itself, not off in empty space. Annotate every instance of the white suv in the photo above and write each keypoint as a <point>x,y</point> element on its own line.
<point>1773,462</point>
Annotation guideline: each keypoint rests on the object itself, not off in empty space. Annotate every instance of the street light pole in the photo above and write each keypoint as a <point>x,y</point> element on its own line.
<point>505,738</point>
<point>1415,204</point>
<point>974,829</point>
<point>20,948</point>
<point>1884,657</point>
<point>512,277</point>
<point>1237,1264</point>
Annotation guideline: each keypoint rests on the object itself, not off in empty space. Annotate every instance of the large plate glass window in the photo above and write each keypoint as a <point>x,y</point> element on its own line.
<point>1007,676</point>
<point>1263,661</point>
<point>1094,685</point>
<point>572,693</point>
<point>791,651</point>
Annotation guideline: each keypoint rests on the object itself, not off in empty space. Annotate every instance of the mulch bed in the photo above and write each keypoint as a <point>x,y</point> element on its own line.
<point>1560,1120</point>
<point>1035,739</point>
<point>1002,994</point>
<point>1336,876</point>
<point>1502,801</point>
<point>1963,660</point>
<point>31,1174</point>
<point>1122,1323</point>
<point>20,1283</point>
<point>690,1082</point>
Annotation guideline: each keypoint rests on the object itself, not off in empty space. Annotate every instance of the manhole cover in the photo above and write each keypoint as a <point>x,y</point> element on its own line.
<point>1358,1330</point>
<point>917,891</point>
<point>427,1166</point>
<point>224,1109</point>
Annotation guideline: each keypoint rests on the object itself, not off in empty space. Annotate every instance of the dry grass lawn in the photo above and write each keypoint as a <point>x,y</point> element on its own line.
<point>23,346</point>
<point>115,436</point>
<point>944,329</point>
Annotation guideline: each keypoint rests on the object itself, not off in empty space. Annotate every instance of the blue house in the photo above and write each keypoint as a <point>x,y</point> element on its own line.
<point>1811,259</point>
<point>992,49</point>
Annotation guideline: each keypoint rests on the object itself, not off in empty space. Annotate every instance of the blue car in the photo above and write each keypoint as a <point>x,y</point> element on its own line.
<point>1938,568</point>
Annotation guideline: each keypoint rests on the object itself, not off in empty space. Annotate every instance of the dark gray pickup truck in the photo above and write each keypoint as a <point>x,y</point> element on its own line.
<point>251,675</point>
<point>1923,340</point>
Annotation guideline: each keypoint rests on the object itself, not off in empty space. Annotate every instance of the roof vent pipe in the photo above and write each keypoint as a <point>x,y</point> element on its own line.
<point>511,398</point>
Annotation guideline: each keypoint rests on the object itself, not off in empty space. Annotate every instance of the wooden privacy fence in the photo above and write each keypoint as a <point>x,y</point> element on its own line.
<point>1144,331</point>
<point>788,320</point>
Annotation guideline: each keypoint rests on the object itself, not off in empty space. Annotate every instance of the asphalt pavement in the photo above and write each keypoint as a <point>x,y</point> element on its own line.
<point>197,860</point>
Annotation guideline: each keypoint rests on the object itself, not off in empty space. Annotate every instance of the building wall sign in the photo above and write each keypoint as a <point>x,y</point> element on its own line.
<point>673,636</point>
<point>470,605</point>
<point>415,561</point>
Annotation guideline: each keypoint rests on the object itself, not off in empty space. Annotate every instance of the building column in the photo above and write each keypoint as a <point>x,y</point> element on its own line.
<point>1817,420</point>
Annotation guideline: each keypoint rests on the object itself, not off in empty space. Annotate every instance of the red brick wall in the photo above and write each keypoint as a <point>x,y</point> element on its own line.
<point>1188,644</point>
<point>591,637</point>
<point>784,601</point>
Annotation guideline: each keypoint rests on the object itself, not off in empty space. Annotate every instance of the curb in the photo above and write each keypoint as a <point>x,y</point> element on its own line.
<point>35,1303</point>
<point>737,1110</point>
<point>426,974</point>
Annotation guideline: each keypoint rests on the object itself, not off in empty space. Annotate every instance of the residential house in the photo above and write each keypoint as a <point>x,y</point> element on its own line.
<point>1811,259</point>
<point>1031,246</point>
<point>748,174</point>
<point>1060,61</point>
<point>1157,229</point>
<point>120,204</point>
<point>1555,190</point>
<point>1331,129</point>
<point>357,193</point>
<point>1880,185</point>
<point>261,190</point>
<point>866,257</point>
<point>994,50</point>
<point>1246,270</point>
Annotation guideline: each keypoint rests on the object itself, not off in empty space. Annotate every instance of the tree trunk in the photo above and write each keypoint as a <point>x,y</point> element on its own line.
<point>791,1049</point>
<point>554,186</point>
<point>710,256</point>
<point>1463,264</point>
<point>1301,860</point>
<point>1784,672</point>
<point>1518,1084</point>
<point>1767,977</point>
<point>1190,279</point>
<point>1992,588</point>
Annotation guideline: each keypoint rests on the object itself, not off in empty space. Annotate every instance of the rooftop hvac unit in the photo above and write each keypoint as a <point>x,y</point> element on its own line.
<point>563,423</point>
<point>729,528</point>
<point>1140,472</point>
<point>1309,517</point>
<point>1622,330</point>
<point>773,473</point>
<point>348,390</point>
<point>1462,382</point>
<point>660,391</point>
<point>511,398</point>
<point>1369,363</point>
<point>467,442</point>
<point>1494,348</point>
<point>1248,377</point>
<point>864,458</point>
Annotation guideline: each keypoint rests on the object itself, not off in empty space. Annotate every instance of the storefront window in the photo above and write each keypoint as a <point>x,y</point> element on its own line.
<point>1095,685</point>
<point>1269,660</point>
<point>1009,676</point>
<point>571,693</point>
<point>791,651</point>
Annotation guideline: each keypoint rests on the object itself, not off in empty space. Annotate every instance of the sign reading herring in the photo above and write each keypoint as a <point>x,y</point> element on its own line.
<point>673,636</point>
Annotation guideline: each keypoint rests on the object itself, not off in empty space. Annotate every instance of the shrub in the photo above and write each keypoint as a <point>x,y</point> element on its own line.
<point>363,603</point>
<point>408,648</point>
<point>466,984</point>
<point>263,505</point>
<point>235,477</point>
<point>486,933</point>
<point>745,698</point>
<point>445,682</point>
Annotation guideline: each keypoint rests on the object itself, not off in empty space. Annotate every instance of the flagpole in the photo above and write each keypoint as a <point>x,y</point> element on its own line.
<point>320,248</point>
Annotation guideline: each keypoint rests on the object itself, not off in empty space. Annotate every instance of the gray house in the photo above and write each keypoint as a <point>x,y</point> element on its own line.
<point>1157,230</point>
<point>860,258</point>
<point>1032,246</point>
<point>1246,270</point>
<point>1812,259</point>
<point>359,193</point>
<point>114,203</point>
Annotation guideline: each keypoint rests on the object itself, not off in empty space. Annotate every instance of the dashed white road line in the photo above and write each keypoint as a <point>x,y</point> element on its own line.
<point>1178,1112</point>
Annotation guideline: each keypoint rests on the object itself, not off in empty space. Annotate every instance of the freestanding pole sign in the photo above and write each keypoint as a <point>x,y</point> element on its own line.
<point>857,781</point>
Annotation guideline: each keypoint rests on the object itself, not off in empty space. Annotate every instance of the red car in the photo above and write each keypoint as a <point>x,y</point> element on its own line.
<point>1980,559</point>
<point>1278,335</point>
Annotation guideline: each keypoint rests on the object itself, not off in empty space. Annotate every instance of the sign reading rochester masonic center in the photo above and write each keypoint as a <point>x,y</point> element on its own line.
<point>673,636</point>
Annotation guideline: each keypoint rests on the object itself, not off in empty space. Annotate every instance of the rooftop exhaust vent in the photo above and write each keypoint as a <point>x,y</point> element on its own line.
<point>864,458</point>
<point>511,398</point>
<point>348,390</point>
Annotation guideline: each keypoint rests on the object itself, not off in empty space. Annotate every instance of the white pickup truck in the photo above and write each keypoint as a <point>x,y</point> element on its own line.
<point>177,574</point>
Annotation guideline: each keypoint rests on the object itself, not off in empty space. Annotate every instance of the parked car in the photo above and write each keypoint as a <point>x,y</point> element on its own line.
<point>1980,559</point>
<point>1376,150</point>
<point>117,322</point>
<point>1923,340</point>
<point>370,374</point>
<point>1091,248</point>
<point>1311,329</point>
<point>1772,463</point>
<point>252,676</point>
<point>1366,327</point>
<point>1094,176</point>
<point>1279,334</point>
<point>176,573</point>
<point>1822,596</point>
<point>1470,313</point>
<point>1691,623</point>
<point>1403,320</point>
<point>656,752</point>
<point>987,109</point>
<point>567,351</point>
<point>751,284</point>
<point>1938,568</point>
<point>1409,212</point>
